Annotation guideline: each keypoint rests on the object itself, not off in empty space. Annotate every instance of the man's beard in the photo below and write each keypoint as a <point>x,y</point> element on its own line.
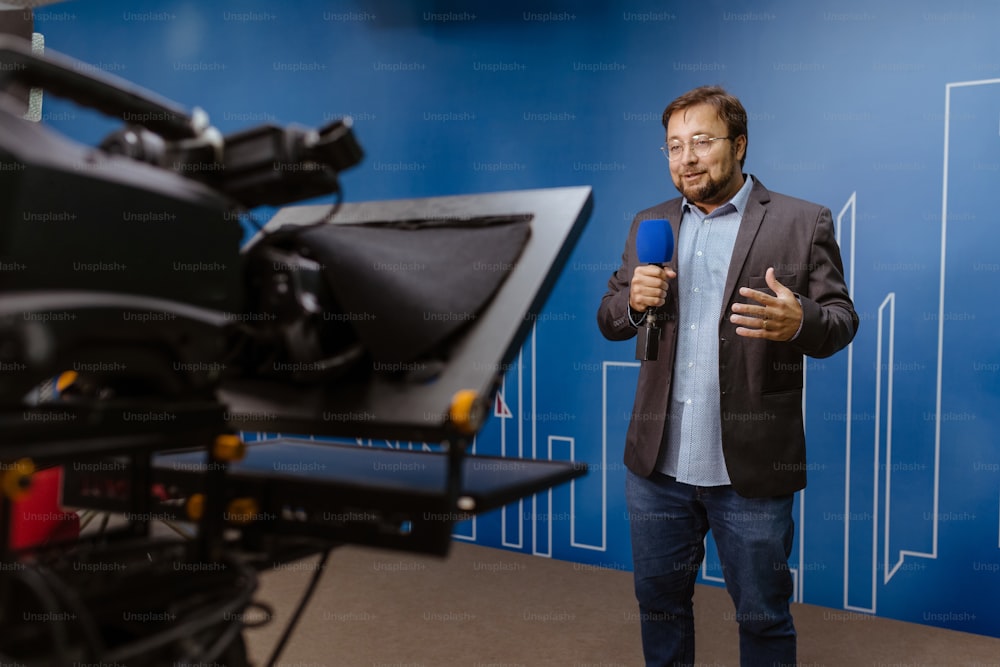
<point>705,193</point>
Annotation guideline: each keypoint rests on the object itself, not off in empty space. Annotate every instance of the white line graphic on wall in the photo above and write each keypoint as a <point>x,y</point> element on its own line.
<point>894,558</point>
<point>850,207</point>
<point>605,366</point>
<point>890,303</point>
<point>903,554</point>
<point>504,541</point>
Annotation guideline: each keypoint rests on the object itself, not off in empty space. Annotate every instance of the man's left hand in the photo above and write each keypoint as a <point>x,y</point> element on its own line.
<point>775,317</point>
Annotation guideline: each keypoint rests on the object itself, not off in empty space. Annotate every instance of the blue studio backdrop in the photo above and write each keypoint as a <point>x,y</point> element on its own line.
<point>886,112</point>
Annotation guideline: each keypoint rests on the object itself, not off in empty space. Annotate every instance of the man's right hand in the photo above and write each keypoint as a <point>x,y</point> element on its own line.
<point>649,286</point>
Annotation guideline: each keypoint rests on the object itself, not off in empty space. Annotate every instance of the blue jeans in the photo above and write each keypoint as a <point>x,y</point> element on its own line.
<point>668,521</point>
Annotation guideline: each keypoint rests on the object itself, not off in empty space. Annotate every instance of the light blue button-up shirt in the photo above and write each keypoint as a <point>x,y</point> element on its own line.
<point>704,249</point>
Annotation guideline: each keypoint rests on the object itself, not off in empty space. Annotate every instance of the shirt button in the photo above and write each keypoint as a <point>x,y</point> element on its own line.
<point>699,253</point>
<point>690,364</point>
<point>688,401</point>
<point>696,289</point>
<point>694,326</point>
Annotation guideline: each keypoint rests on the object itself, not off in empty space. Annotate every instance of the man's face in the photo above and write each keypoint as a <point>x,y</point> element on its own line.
<point>711,180</point>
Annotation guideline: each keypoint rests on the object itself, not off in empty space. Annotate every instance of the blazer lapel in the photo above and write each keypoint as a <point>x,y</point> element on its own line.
<point>674,215</point>
<point>753,216</point>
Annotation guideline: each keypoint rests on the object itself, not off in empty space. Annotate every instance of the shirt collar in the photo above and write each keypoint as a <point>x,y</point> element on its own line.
<point>738,203</point>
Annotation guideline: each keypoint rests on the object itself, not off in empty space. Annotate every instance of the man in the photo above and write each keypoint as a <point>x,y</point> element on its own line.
<point>716,438</point>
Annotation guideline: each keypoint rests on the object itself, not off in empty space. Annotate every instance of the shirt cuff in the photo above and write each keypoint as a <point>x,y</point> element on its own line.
<point>637,318</point>
<point>801,322</point>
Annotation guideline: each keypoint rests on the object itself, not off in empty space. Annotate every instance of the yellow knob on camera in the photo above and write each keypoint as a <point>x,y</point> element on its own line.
<point>242,511</point>
<point>195,506</point>
<point>17,478</point>
<point>229,447</point>
<point>466,412</point>
<point>65,380</point>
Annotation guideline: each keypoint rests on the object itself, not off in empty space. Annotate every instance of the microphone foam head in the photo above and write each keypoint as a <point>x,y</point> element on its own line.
<point>654,241</point>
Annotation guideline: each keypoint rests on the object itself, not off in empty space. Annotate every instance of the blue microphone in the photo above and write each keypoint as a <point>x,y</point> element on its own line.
<point>654,241</point>
<point>654,244</point>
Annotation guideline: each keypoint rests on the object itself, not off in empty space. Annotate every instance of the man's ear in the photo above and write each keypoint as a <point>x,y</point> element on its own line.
<point>741,147</point>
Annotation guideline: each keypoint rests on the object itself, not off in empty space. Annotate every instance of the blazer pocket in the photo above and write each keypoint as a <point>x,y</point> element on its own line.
<point>783,393</point>
<point>759,283</point>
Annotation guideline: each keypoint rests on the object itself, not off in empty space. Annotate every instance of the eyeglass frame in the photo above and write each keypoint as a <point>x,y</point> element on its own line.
<point>665,148</point>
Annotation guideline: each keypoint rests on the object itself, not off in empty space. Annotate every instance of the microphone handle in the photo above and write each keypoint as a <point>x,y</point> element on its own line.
<point>647,343</point>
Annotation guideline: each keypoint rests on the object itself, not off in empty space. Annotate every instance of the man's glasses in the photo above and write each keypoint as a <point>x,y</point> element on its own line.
<point>701,144</point>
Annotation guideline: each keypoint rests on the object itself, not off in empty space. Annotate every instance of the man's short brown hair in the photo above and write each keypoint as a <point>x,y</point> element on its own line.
<point>729,108</point>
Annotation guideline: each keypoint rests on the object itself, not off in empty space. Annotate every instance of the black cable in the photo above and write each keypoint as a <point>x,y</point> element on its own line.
<point>225,638</point>
<point>37,584</point>
<point>222,642</point>
<point>193,624</point>
<point>73,602</point>
<point>286,635</point>
<point>289,231</point>
<point>334,209</point>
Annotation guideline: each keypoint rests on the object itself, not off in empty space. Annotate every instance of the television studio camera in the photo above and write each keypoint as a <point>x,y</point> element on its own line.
<point>138,341</point>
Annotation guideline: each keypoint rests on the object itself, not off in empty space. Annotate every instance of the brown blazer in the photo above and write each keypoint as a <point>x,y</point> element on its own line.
<point>763,438</point>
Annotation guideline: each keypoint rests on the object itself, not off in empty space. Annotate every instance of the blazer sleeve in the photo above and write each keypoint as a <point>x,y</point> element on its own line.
<point>613,312</point>
<point>829,321</point>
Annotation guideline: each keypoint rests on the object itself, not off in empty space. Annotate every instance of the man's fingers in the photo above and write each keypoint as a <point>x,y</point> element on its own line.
<point>648,287</point>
